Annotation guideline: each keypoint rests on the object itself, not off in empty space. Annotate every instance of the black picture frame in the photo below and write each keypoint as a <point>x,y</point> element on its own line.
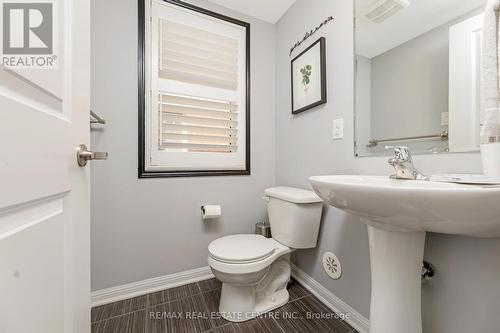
<point>141,58</point>
<point>323,100</point>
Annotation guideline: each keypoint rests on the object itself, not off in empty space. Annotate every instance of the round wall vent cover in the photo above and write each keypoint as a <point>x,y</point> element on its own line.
<point>332,266</point>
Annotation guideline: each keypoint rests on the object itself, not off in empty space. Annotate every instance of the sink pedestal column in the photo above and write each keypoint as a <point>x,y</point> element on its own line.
<point>396,267</point>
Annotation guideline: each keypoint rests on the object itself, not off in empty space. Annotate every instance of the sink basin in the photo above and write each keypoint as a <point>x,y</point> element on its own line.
<point>412,205</point>
<point>398,214</point>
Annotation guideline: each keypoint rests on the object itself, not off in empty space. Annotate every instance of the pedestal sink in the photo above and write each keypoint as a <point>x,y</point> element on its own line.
<point>398,214</point>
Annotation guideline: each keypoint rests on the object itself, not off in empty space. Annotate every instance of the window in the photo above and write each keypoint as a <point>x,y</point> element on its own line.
<point>194,92</point>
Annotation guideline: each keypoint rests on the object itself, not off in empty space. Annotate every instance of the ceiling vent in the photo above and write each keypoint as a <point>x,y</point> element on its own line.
<point>381,10</point>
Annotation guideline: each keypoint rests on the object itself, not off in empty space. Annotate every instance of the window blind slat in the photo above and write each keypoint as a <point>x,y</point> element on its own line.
<point>199,130</point>
<point>198,102</point>
<point>192,77</point>
<point>193,50</point>
<point>214,64</point>
<point>193,111</point>
<point>201,70</point>
<point>194,124</point>
<point>191,120</point>
<point>188,31</point>
<point>196,56</point>
<point>198,139</point>
<point>200,148</point>
<point>204,44</point>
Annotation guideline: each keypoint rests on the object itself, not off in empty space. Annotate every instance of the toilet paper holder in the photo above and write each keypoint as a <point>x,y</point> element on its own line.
<point>209,212</point>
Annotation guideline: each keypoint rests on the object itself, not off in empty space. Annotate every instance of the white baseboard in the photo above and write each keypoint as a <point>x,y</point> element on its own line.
<point>355,319</point>
<point>113,294</point>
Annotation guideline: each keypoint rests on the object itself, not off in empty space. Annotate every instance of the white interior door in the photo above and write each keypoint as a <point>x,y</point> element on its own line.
<point>465,84</point>
<point>44,194</point>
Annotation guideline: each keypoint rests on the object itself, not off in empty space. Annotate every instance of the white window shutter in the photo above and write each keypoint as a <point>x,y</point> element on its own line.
<point>198,118</point>
<point>192,124</point>
<point>192,55</point>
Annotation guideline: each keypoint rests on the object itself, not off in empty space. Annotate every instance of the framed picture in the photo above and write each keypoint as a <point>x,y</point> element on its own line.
<point>309,77</point>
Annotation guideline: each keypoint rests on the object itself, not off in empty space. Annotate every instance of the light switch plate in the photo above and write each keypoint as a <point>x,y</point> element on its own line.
<point>338,129</point>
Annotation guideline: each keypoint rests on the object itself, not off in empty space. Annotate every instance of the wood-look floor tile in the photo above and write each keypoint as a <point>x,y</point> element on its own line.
<point>137,322</point>
<point>97,327</point>
<point>181,292</point>
<point>229,328</point>
<point>267,325</point>
<point>156,298</point>
<point>330,320</point>
<point>156,319</point>
<point>292,318</point>
<point>95,313</point>
<point>195,316</point>
<point>187,309</point>
<point>296,291</point>
<point>212,300</point>
<point>117,325</point>
<point>210,284</point>
<point>137,303</point>
<point>257,325</point>
<point>109,310</point>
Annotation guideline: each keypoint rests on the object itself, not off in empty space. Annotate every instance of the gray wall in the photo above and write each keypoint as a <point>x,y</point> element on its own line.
<point>465,294</point>
<point>149,228</point>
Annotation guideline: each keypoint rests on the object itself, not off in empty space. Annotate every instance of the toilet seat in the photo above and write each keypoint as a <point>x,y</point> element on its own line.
<point>242,249</point>
<point>244,254</point>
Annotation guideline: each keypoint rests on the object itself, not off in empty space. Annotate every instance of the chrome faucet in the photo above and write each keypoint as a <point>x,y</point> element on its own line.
<point>402,162</point>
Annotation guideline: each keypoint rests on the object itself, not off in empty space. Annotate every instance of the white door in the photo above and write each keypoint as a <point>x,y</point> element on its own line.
<point>465,84</point>
<point>44,194</point>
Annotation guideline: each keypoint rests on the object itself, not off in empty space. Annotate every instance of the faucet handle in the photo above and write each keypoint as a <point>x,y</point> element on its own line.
<point>401,153</point>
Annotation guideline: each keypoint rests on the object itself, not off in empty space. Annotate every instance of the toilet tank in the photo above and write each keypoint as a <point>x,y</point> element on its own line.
<point>294,216</point>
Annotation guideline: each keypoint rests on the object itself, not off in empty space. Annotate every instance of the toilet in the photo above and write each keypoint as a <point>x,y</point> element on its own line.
<point>255,270</point>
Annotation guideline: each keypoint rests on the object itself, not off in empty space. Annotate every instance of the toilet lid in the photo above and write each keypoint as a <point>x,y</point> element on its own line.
<point>241,248</point>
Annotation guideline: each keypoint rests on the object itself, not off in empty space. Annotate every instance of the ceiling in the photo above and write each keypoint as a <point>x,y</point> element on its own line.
<point>266,10</point>
<point>421,16</point>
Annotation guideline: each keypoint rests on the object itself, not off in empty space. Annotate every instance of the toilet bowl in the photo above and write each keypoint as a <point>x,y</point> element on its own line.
<point>255,270</point>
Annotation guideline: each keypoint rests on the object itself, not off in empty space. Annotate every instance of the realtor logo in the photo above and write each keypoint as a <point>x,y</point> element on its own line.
<point>28,34</point>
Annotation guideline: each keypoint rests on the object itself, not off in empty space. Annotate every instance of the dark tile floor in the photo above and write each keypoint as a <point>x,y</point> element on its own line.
<point>193,309</point>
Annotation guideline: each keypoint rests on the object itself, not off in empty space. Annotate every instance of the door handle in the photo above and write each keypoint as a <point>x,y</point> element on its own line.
<point>83,155</point>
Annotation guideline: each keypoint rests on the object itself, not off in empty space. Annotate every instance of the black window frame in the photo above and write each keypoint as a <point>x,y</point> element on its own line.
<point>143,173</point>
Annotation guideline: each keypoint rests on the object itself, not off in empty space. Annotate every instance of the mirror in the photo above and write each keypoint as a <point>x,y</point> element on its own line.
<point>418,75</point>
